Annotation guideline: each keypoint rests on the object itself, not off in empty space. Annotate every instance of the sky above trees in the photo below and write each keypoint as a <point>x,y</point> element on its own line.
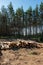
<point>18,3</point>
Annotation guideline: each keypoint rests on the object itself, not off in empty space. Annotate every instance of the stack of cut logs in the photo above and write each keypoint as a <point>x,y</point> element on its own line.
<point>20,44</point>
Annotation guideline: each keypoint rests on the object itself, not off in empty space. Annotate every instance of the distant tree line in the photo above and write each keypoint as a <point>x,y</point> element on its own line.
<point>13,23</point>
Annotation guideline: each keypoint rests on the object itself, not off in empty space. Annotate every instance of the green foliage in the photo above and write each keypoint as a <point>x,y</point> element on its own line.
<point>12,22</point>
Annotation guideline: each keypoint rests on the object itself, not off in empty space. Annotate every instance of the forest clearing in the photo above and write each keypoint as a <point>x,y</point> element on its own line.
<point>21,55</point>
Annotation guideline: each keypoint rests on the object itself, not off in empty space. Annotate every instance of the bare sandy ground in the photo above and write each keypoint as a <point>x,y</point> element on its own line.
<point>22,56</point>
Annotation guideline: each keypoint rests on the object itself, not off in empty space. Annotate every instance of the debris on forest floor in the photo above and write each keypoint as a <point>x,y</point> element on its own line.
<point>20,44</point>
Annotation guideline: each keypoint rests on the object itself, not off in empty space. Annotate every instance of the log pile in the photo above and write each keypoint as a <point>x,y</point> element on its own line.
<point>20,44</point>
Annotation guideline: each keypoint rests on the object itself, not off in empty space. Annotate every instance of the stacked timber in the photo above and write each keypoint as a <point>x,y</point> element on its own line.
<point>20,44</point>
